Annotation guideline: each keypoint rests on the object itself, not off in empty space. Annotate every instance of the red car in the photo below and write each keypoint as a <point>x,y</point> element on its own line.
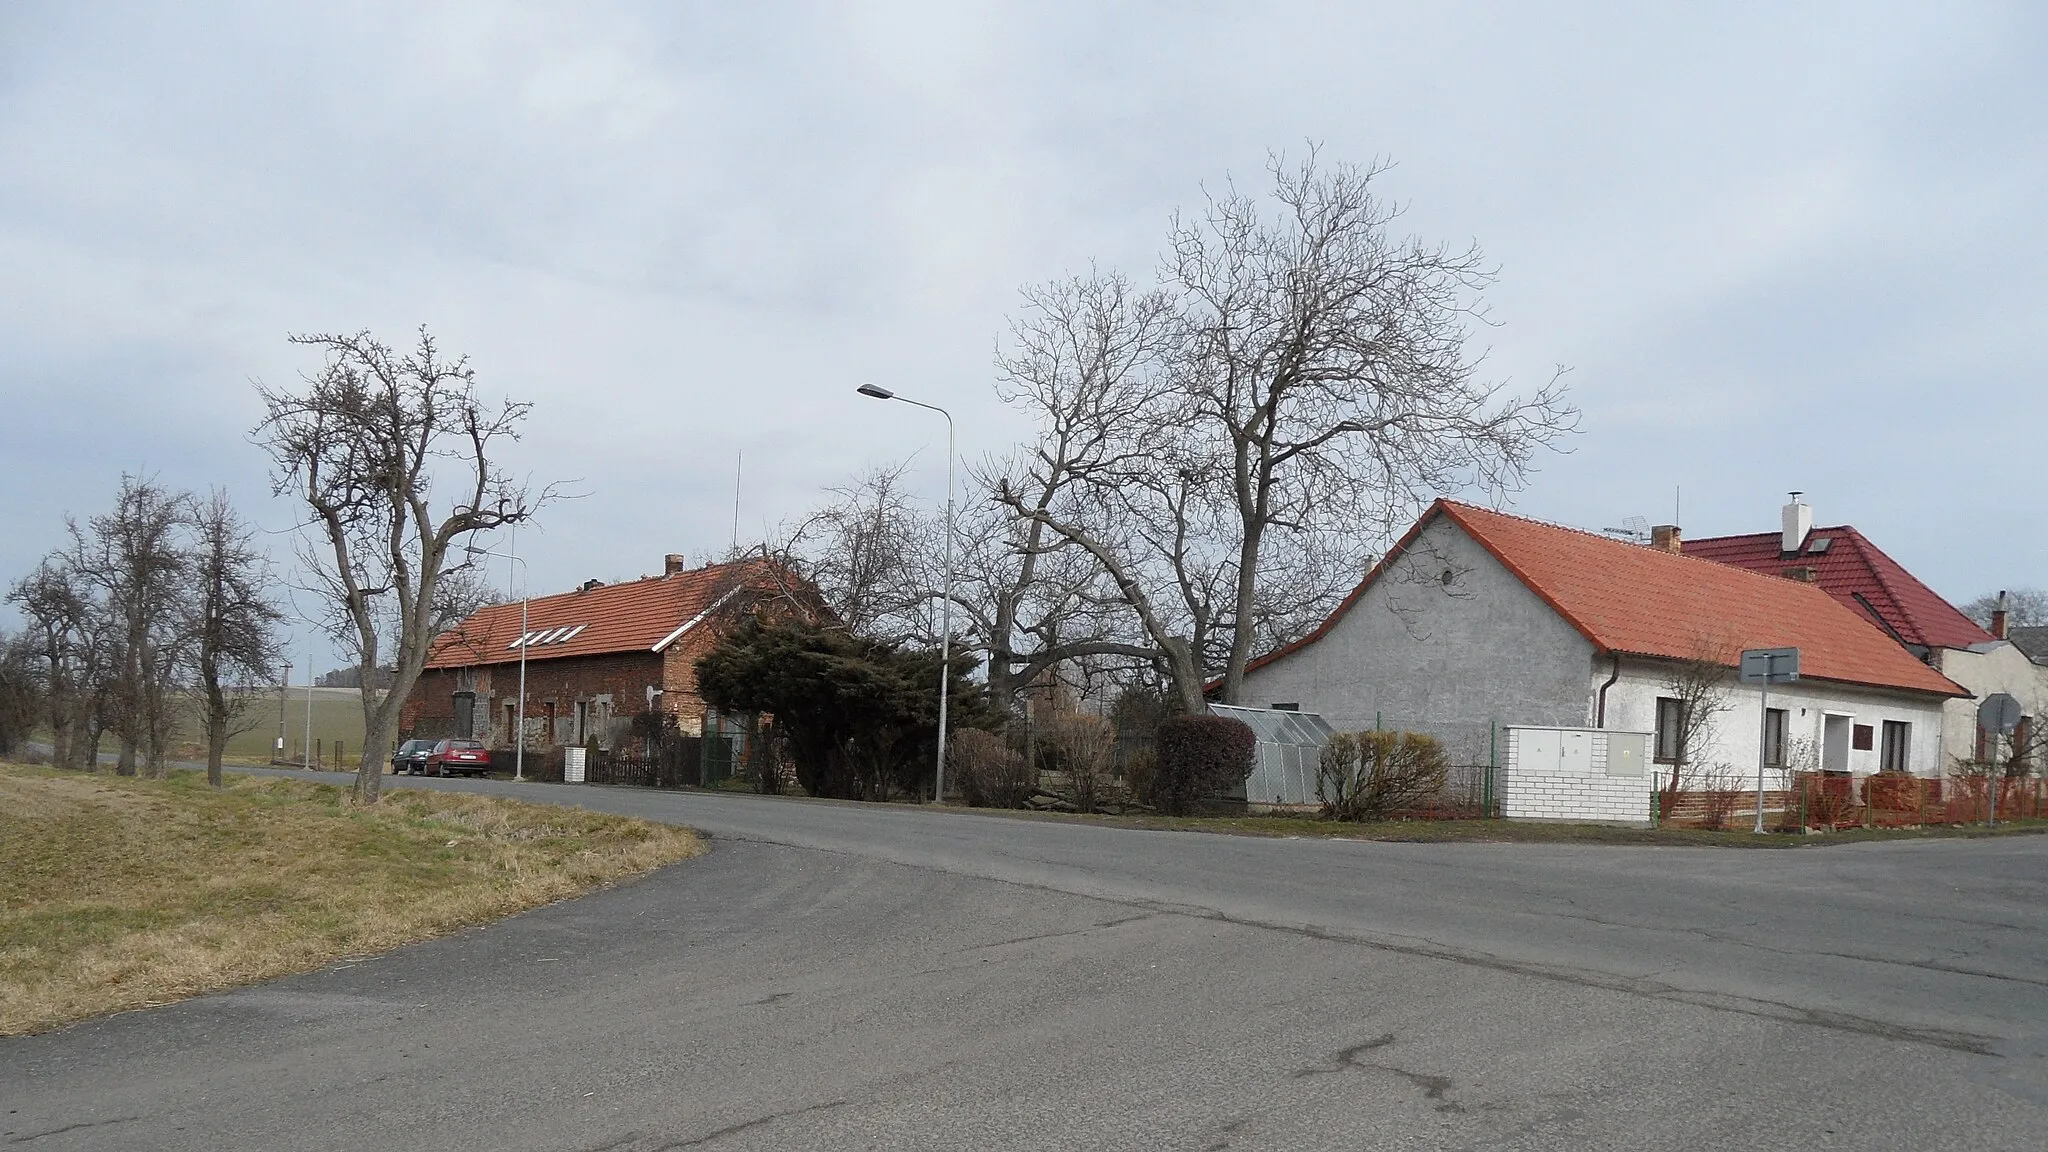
<point>459,757</point>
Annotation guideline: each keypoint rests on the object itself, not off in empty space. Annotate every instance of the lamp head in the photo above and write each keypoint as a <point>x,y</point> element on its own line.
<point>877,391</point>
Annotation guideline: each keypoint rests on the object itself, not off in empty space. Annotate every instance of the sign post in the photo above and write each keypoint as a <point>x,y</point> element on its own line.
<point>1765,667</point>
<point>1999,714</point>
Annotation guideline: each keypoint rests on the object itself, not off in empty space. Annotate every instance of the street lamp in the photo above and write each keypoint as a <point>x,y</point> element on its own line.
<point>519,748</point>
<point>946,602</point>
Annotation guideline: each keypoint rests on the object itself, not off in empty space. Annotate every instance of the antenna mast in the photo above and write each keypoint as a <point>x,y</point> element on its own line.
<point>739,458</point>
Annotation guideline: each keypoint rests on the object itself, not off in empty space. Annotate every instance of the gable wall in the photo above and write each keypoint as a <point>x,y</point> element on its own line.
<point>2002,669</point>
<point>1447,659</point>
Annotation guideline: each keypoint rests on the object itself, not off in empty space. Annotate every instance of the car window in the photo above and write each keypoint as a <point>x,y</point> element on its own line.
<point>443,745</point>
<point>469,744</point>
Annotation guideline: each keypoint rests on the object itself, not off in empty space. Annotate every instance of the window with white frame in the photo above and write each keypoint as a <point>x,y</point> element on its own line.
<point>1894,751</point>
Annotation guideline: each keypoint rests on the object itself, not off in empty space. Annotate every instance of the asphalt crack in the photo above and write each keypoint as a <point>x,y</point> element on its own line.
<point>72,1128</point>
<point>1435,1088</point>
<point>744,1125</point>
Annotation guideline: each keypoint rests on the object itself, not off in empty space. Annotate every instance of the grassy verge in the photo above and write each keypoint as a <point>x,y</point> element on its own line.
<point>1523,832</point>
<point>120,893</point>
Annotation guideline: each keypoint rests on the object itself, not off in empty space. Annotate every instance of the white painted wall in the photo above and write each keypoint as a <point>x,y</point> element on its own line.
<point>2002,668</point>
<point>1734,738</point>
<point>1575,774</point>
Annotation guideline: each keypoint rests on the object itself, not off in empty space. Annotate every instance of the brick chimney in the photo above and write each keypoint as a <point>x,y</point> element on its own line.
<point>672,564</point>
<point>1666,538</point>
<point>1998,616</point>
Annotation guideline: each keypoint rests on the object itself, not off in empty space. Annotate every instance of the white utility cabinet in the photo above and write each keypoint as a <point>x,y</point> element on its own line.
<point>1591,774</point>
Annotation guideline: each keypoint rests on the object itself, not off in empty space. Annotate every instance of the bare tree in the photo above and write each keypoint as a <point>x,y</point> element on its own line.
<point>62,617</point>
<point>22,688</point>
<point>233,623</point>
<point>1299,388</point>
<point>1326,359</point>
<point>868,548</point>
<point>1703,686</point>
<point>2024,608</point>
<point>1082,356</point>
<point>134,559</point>
<point>365,443</point>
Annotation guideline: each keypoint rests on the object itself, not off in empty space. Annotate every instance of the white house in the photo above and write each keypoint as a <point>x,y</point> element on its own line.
<point>1477,620</point>
<point>1846,565</point>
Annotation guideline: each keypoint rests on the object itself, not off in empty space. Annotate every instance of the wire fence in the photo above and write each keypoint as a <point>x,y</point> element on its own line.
<point>1822,802</point>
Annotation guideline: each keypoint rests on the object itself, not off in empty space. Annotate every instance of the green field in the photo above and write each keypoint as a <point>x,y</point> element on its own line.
<point>337,716</point>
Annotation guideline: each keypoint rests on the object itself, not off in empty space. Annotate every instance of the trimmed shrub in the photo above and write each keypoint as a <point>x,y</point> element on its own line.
<point>1369,775</point>
<point>988,772</point>
<point>1199,756</point>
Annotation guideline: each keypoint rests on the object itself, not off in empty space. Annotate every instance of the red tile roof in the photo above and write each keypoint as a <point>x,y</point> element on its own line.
<point>1860,576</point>
<point>631,616</point>
<point>1635,600</point>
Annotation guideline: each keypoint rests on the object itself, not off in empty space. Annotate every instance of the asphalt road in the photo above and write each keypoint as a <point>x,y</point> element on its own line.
<point>837,976</point>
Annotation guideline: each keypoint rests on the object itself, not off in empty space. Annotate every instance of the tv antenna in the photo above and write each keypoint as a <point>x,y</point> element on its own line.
<point>1634,530</point>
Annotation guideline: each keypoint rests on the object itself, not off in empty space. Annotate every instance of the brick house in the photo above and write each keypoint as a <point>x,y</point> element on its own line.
<point>596,657</point>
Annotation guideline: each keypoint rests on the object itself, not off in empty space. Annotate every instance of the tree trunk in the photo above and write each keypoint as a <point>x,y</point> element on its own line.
<point>1186,678</point>
<point>216,732</point>
<point>380,731</point>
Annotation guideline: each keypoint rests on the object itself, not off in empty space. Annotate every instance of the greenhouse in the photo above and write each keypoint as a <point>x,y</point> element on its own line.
<point>1289,754</point>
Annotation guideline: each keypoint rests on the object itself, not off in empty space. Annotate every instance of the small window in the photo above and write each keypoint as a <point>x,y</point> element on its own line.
<point>1862,738</point>
<point>1670,722</point>
<point>1898,740</point>
<point>1290,706</point>
<point>1774,737</point>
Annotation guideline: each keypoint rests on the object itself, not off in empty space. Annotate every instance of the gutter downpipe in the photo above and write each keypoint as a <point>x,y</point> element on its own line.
<point>1600,704</point>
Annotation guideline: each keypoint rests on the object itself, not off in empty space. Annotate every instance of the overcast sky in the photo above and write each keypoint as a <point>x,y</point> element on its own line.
<point>1779,249</point>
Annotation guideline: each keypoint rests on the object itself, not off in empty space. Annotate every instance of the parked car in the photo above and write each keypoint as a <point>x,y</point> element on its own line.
<point>463,757</point>
<point>411,757</point>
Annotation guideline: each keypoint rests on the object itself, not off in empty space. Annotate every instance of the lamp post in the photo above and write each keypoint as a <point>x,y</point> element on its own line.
<point>946,601</point>
<point>519,721</point>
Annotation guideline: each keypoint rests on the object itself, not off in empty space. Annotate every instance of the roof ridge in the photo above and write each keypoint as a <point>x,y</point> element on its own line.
<point>1606,539</point>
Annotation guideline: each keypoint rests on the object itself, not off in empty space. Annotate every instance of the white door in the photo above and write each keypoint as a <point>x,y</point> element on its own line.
<point>1834,743</point>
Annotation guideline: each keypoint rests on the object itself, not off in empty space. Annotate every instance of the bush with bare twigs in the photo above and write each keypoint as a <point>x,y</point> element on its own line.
<point>991,774</point>
<point>1081,748</point>
<point>1369,775</point>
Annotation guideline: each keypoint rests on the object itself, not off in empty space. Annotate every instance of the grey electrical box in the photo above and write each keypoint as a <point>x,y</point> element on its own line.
<point>1627,753</point>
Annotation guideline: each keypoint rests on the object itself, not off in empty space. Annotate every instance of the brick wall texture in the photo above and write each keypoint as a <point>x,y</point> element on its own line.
<point>569,700</point>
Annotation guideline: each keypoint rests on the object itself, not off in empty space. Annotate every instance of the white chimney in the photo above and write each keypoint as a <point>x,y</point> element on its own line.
<point>1798,522</point>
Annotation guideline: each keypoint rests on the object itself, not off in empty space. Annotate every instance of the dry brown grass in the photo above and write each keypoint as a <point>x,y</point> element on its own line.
<point>119,893</point>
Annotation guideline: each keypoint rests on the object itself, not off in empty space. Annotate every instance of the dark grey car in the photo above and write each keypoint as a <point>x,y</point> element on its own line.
<point>412,757</point>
